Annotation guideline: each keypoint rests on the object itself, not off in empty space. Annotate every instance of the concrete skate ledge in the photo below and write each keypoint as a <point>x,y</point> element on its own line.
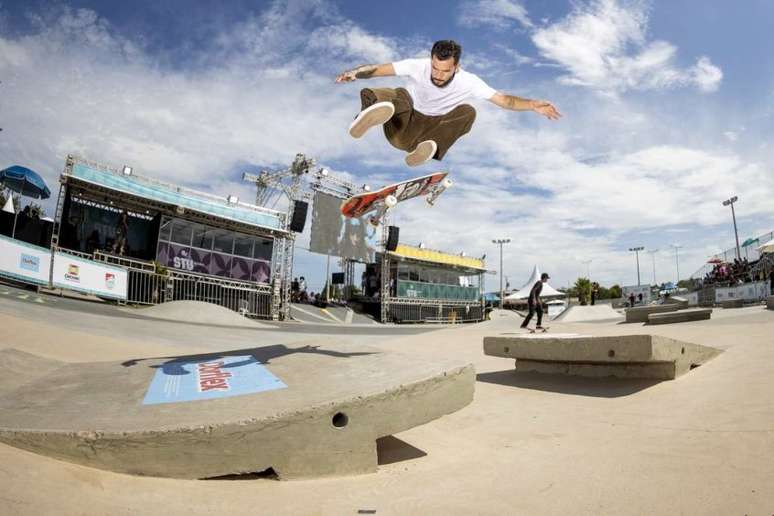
<point>641,313</point>
<point>770,302</point>
<point>696,314</point>
<point>623,356</point>
<point>732,303</point>
<point>338,401</point>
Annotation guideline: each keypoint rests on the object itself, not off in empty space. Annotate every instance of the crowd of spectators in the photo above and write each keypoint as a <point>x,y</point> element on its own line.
<point>731,273</point>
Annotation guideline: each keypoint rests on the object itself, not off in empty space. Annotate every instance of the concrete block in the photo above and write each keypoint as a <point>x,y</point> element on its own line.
<point>681,302</point>
<point>770,302</point>
<point>641,313</point>
<point>696,314</point>
<point>732,303</point>
<point>336,401</point>
<point>623,356</point>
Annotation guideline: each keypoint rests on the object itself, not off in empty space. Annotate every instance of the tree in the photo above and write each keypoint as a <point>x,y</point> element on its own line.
<point>614,292</point>
<point>583,289</point>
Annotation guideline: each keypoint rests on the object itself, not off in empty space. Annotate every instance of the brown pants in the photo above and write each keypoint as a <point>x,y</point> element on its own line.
<point>407,127</point>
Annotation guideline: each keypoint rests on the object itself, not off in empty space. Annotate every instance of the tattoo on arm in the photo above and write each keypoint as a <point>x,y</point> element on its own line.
<point>365,71</point>
<point>516,103</point>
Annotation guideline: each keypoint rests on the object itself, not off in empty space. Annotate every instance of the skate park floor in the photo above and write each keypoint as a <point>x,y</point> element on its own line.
<point>529,443</point>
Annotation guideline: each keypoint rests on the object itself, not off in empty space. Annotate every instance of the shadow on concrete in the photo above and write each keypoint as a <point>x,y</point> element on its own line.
<point>263,355</point>
<point>607,387</point>
<point>390,450</point>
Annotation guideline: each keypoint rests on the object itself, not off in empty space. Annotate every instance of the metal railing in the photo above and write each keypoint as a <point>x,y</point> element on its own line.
<point>246,298</point>
<point>434,312</point>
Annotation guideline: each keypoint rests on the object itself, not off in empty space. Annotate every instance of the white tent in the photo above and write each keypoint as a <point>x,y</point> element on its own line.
<point>523,292</point>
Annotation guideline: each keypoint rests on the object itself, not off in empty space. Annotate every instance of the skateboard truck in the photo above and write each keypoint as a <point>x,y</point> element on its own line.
<point>438,190</point>
<point>389,202</point>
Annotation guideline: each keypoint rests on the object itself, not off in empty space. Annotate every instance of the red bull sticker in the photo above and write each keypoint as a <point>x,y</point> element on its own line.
<point>219,377</point>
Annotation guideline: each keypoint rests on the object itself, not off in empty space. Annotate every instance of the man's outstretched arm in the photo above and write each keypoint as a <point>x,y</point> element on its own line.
<point>515,103</point>
<point>366,72</point>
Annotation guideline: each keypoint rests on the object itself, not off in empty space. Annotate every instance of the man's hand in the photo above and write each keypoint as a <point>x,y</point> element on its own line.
<point>546,109</point>
<point>347,76</point>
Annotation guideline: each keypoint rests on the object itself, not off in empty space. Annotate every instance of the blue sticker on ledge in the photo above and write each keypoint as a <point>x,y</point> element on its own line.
<point>221,377</point>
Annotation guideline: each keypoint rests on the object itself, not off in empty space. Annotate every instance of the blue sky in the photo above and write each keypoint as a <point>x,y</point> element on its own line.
<point>668,108</point>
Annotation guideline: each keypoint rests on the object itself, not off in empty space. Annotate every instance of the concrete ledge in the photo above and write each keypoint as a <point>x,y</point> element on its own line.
<point>681,302</point>
<point>641,313</point>
<point>338,400</point>
<point>624,356</point>
<point>732,303</point>
<point>770,302</point>
<point>696,314</point>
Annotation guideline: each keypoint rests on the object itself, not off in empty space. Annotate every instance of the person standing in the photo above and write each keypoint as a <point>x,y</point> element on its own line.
<point>535,304</point>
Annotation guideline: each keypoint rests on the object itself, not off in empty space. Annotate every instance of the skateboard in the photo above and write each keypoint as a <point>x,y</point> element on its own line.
<point>380,201</point>
<point>541,330</point>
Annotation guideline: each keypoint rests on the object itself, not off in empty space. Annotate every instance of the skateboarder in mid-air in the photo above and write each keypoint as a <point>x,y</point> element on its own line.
<point>427,117</point>
<point>534,303</point>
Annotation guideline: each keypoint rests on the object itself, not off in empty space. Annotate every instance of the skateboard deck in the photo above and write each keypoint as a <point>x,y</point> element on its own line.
<point>541,330</point>
<point>431,185</point>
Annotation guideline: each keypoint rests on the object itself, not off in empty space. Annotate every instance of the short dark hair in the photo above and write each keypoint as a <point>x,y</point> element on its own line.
<point>446,48</point>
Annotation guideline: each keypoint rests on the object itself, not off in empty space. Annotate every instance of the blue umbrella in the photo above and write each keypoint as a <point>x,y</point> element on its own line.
<point>25,182</point>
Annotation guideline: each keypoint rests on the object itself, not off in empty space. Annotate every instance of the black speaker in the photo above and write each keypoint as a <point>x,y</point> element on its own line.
<point>337,278</point>
<point>298,221</point>
<point>392,238</point>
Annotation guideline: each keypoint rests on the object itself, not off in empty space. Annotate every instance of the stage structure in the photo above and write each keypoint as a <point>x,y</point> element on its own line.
<point>174,243</point>
<point>423,285</point>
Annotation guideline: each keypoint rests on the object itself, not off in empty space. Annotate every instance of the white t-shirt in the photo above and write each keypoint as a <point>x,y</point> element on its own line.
<point>431,100</point>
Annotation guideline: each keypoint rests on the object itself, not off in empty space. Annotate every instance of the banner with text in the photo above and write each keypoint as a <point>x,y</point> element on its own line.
<point>82,275</point>
<point>24,262</point>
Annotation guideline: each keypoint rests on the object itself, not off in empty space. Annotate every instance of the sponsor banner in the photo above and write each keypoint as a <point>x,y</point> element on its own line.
<point>416,289</point>
<point>218,377</point>
<point>23,261</point>
<point>754,291</point>
<point>88,276</point>
<point>637,290</point>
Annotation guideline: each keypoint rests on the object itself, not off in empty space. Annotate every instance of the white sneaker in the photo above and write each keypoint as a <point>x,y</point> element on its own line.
<point>376,114</point>
<point>424,151</point>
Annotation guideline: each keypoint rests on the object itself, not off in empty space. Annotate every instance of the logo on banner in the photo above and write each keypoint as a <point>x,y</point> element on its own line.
<point>29,263</point>
<point>212,377</point>
<point>110,280</point>
<point>73,273</point>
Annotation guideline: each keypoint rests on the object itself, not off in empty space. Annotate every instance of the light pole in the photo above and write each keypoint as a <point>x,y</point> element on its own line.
<point>652,254</point>
<point>501,241</point>
<point>730,202</point>
<point>588,268</point>
<point>637,254</point>
<point>677,263</point>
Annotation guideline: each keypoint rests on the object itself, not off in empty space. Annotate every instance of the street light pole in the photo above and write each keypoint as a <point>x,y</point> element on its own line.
<point>588,268</point>
<point>731,202</point>
<point>652,254</point>
<point>500,242</point>
<point>637,253</point>
<point>677,263</point>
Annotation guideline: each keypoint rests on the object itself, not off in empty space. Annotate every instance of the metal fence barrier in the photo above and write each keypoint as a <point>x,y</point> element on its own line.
<point>437,313</point>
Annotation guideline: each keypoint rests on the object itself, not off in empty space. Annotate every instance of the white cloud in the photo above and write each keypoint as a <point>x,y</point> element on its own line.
<point>603,45</point>
<point>498,13</point>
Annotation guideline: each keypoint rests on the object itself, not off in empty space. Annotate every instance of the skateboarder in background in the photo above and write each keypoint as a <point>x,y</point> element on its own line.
<point>426,118</point>
<point>534,302</point>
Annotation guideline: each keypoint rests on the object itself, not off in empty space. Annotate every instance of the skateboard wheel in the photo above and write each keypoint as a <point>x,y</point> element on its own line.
<point>390,201</point>
<point>447,183</point>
